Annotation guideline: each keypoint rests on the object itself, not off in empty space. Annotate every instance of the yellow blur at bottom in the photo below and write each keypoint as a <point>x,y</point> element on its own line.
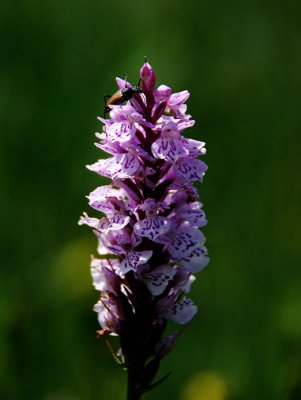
<point>206,386</point>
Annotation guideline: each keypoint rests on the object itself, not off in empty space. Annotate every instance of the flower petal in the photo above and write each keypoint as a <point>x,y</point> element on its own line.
<point>118,221</point>
<point>106,198</point>
<point>158,279</point>
<point>121,131</point>
<point>184,241</point>
<point>107,310</point>
<point>177,99</point>
<point>152,227</point>
<point>196,260</point>
<point>169,149</point>
<point>86,220</point>
<point>125,165</point>
<point>104,278</point>
<point>183,312</point>
<point>195,147</point>
<point>191,213</point>
<point>190,169</point>
<point>121,166</point>
<point>133,259</point>
<point>162,93</point>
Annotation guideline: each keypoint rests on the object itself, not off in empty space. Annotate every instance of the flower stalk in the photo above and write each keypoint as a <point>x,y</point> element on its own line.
<point>149,240</point>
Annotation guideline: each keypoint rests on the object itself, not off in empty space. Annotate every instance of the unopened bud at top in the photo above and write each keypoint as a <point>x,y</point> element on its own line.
<point>148,77</point>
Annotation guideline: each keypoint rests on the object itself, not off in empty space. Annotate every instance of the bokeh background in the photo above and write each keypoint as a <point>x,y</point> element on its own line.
<point>241,61</point>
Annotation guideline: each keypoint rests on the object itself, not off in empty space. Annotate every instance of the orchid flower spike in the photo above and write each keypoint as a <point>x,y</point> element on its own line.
<point>148,225</point>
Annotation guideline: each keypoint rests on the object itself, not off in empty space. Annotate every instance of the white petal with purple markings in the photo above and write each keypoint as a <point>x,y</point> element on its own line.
<point>195,147</point>
<point>107,243</point>
<point>170,145</point>
<point>169,149</point>
<point>182,312</point>
<point>133,259</point>
<point>121,166</point>
<point>192,213</point>
<point>121,131</point>
<point>184,241</point>
<point>196,260</point>
<point>190,169</point>
<point>102,199</point>
<point>118,221</point>
<point>158,279</point>
<point>125,165</point>
<point>152,227</point>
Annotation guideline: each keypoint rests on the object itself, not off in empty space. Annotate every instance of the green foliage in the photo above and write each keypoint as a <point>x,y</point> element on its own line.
<point>241,63</point>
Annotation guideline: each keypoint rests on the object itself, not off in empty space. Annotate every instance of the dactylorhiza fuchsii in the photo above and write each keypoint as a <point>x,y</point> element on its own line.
<point>148,225</point>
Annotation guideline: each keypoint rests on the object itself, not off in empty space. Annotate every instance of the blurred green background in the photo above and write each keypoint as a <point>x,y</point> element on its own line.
<point>241,61</point>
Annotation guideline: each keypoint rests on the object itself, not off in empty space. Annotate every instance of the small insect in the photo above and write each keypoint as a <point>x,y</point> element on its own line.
<point>120,97</point>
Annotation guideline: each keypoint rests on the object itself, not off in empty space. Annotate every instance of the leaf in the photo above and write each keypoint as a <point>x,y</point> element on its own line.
<point>150,371</point>
<point>155,384</point>
<point>116,358</point>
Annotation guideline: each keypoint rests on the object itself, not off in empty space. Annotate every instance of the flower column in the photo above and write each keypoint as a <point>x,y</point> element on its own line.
<point>149,240</point>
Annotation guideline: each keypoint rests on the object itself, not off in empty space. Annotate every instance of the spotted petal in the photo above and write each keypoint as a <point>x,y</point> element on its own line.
<point>105,198</point>
<point>121,166</point>
<point>183,241</point>
<point>182,312</point>
<point>133,259</point>
<point>118,221</point>
<point>196,260</point>
<point>152,227</point>
<point>192,213</point>
<point>121,131</point>
<point>125,165</point>
<point>169,149</point>
<point>170,145</point>
<point>190,169</point>
<point>158,279</point>
<point>195,147</point>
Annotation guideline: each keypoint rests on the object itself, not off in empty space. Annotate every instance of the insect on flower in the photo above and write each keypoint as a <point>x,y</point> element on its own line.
<point>120,97</point>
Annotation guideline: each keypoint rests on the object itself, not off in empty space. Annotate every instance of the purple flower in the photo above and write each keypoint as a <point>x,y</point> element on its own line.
<point>148,226</point>
<point>158,279</point>
<point>179,311</point>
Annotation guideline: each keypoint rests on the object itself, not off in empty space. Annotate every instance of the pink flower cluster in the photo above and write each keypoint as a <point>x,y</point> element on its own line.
<point>149,241</point>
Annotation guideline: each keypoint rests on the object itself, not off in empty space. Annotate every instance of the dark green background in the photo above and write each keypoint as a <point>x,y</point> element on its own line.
<point>241,61</point>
